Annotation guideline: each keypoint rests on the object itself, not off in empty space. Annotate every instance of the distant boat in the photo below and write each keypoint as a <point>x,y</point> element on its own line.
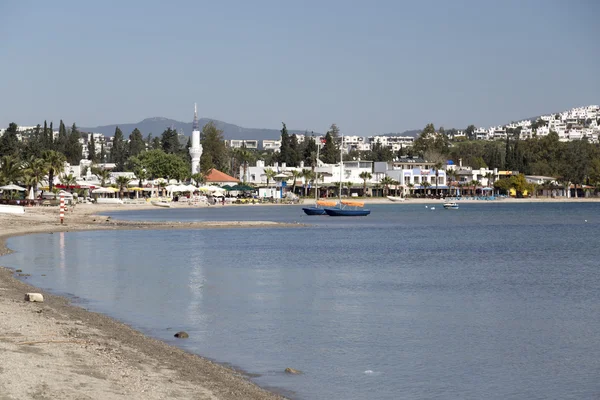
<point>161,204</point>
<point>348,208</point>
<point>318,209</point>
<point>451,205</point>
<point>395,198</point>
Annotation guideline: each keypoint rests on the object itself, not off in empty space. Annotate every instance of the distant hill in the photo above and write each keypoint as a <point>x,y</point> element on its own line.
<point>157,125</point>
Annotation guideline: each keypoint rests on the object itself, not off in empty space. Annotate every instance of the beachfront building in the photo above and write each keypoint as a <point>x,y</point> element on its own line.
<point>419,180</point>
<point>218,178</point>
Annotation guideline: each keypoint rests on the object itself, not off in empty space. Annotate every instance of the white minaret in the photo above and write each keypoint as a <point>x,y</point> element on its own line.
<point>196,149</point>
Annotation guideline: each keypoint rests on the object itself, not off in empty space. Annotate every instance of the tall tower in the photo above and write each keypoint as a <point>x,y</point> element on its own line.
<point>196,149</point>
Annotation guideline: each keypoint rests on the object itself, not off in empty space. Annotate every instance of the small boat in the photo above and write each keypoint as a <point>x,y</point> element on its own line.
<point>451,205</point>
<point>318,209</point>
<point>395,198</point>
<point>348,208</point>
<point>161,204</point>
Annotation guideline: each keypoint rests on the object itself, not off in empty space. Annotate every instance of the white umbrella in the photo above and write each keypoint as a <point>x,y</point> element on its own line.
<point>31,195</point>
<point>13,187</point>
<point>104,190</point>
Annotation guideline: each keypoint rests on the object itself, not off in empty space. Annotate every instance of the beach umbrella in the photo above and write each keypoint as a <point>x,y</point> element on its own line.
<point>13,187</point>
<point>31,194</point>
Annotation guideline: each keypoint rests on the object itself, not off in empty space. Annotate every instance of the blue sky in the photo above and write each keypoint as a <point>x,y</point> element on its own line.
<point>371,67</point>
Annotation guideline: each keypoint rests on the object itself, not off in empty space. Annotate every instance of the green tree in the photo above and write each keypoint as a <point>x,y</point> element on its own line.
<point>214,154</point>
<point>72,149</point>
<point>92,149</point>
<point>10,170</point>
<point>35,170</point>
<point>118,153</point>
<point>365,176</point>
<point>159,164</point>
<point>270,174</point>
<point>169,141</point>
<point>136,143</point>
<point>285,148</point>
<point>34,145</point>
<point>310,152</point>
<point>68,181</point>
<point>102,174</point>
<point>244,156</point>
<point>330,153</point>
<point>55,164</point>
<point>9,141</point>
<point>386,181</point>
<point>122,183</point>
<point>334,131</point>
<point>62,139</point>
<point>102,153</point>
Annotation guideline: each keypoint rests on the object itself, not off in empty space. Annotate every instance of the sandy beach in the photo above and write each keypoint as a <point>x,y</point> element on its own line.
<point>54,350</point>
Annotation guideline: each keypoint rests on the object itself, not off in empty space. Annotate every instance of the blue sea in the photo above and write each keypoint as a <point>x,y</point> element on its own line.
<point>490,301</point>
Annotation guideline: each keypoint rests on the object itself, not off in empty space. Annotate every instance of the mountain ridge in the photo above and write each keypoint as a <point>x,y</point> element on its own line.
<point>156,126</point>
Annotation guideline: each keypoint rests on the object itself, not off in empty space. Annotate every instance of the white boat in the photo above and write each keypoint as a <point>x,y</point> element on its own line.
<point>161,204</point>
<point>451,205</point>
<point>395,198</point>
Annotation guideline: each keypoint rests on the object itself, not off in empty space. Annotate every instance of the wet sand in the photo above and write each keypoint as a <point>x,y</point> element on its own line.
<point>55,350</point>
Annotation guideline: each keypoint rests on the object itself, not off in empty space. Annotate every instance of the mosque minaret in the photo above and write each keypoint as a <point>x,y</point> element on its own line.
<point>196,149</point>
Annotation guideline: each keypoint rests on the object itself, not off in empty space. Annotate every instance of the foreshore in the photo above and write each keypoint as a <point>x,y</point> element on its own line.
<point>55,350</point>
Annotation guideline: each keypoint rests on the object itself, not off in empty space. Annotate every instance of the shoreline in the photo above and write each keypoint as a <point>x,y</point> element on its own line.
<point>57,349</point>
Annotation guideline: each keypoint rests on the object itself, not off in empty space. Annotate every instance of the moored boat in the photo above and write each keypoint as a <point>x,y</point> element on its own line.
<point>451,205</point>
<point>318,209</point>
<point>348,208</point>
<point>161,204</point>
<point>395,198</point>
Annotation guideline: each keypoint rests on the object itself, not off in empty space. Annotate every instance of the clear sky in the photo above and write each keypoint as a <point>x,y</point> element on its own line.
<point>370,66</point>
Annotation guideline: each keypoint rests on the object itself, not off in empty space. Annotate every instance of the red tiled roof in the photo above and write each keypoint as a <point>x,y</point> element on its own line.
<point>214,175</point>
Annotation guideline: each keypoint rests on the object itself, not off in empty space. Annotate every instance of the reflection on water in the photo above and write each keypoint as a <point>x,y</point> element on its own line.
<point>485,302</point>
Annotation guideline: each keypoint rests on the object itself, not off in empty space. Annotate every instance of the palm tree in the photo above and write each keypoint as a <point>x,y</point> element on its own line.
<point>35,171</point>
<point>55,164</point>
<point>386,181</point>
<point>270,174</point>
<point>426,185</point>
<point>68,181</point>
<point>141,174</point>
<point>122,182</point>
<point>101,173</point>
<point>308,176</point>
<point>396,184</point>
<point>244,156</point>
<point>296,174</point>
<point>349,185</point>
<point>410,187</point>
<point>199,177</point>
<point>365,176</point>
<point>490,179</point>
<point>10,170</point>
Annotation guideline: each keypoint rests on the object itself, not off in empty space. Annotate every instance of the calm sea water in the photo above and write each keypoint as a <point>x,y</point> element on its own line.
<point>491,301</point>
